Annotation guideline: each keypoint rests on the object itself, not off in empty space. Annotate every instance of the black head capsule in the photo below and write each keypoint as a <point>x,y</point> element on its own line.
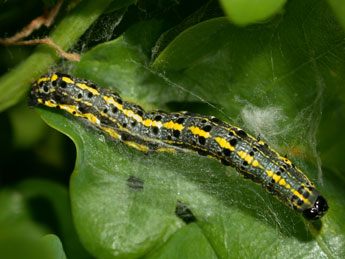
<point>318,210</point>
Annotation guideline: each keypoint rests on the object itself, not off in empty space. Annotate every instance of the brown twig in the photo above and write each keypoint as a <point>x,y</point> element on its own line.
<point>70,56</point>
<point>46,20</point>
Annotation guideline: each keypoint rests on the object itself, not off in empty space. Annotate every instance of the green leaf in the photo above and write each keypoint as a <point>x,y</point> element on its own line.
<point>339,10</point>
<point>243,12</point>
<point>281,80</point>
<point>179,246</point>
<point>20,230</point>
<point>54,245</point>
<point>53,198</point>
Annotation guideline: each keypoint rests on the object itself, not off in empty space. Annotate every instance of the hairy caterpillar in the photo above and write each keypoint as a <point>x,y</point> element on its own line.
<point>160,131</point>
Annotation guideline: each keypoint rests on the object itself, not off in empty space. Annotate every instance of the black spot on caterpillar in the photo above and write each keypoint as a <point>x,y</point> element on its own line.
<point>181,131</point>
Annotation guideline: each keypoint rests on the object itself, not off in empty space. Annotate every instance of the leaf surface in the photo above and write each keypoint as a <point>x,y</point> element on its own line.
<point>281,81</point>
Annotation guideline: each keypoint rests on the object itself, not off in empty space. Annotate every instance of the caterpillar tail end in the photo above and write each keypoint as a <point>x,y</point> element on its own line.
<point>318,210</point>
<point>32,96</point>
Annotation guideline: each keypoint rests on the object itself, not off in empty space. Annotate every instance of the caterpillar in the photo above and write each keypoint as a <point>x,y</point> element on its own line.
<point>181,131</point>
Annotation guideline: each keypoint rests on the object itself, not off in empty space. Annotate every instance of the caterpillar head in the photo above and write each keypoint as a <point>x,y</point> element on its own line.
<point>318,210</point>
